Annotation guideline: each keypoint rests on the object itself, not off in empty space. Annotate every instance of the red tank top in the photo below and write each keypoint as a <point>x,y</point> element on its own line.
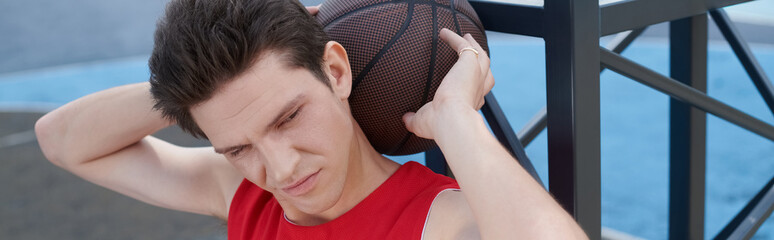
<point>397,209</point>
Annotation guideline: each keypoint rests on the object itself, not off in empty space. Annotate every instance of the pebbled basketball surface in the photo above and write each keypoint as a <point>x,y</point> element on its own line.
<point>397,60</point>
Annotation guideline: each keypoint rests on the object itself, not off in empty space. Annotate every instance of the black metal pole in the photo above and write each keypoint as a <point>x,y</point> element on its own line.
<point>434,160</point>
<point>571,32</point>
<point>687,129</point>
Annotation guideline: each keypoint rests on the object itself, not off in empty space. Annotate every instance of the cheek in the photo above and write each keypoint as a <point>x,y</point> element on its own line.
<point>312,139</point>
<point>323,128</point>
<point>253,170</point>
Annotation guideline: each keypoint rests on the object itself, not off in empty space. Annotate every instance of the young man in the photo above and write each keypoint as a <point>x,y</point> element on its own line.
<point>262,82</point>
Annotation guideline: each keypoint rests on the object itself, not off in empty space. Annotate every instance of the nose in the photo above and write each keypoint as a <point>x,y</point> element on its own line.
<point>281,160</point>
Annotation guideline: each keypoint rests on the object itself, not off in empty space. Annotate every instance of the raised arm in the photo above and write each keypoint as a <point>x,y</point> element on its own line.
<point>505,201</point>
<point>104,138</point>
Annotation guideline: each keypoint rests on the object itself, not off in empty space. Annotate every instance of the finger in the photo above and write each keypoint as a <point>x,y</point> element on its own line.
<point>313,10</point>
<point>483,58</point>
<point>408,120</point>
<point>481,102</point>
<point>472,41</point>
<point>489,82</point>
<point>455,41</point>
<point>466,60</point>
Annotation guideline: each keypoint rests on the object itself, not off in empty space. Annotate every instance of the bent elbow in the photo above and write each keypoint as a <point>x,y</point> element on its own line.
<point>46,134</point>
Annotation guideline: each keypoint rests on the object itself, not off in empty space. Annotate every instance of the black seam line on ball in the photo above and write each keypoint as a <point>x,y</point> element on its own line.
<point>454,10</point>
<point>454,16</point>
<point>429,81</point>
<point>428,2</point>
<point>367,68</point>
<point>357,10</point>
<point>400,145</point>
<point>433,52</point>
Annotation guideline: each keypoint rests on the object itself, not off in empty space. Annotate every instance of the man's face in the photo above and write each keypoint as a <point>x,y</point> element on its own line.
<point>283,130</point>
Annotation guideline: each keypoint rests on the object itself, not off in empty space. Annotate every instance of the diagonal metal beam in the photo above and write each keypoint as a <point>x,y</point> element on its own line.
<point>747,221</point>
<point>622,41</point>
<point>745,56</point>
<point>539,121</point>
<point>535,125</point>
<point>501,128</point>
<point>685,93</point>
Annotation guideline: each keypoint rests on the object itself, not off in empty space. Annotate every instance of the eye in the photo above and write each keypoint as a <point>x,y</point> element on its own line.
<point>291,117</point>
<point>236,152</point>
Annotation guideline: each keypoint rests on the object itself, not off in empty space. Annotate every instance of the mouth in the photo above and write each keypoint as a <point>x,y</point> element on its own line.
<point>302,186</point>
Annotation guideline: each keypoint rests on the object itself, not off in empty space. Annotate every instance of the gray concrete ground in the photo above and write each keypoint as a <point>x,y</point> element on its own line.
<point>41,201</point>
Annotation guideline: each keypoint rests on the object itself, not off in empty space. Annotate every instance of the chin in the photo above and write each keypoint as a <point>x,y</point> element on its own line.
<point>319,204</point>
<point>328,197</point>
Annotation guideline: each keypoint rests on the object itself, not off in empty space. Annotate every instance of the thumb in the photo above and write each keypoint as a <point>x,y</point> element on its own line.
<point>313,10</point>
<point>408,120</point>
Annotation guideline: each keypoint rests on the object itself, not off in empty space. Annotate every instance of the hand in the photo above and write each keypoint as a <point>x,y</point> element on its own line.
<point>463,88</point>
<point>313,10</point>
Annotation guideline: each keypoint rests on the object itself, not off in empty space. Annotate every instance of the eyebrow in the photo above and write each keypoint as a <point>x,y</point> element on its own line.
<point>290,105</point>
<point>228,149</point>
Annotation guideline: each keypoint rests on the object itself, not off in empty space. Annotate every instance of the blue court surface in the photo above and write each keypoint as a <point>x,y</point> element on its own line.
<point>634,125</point>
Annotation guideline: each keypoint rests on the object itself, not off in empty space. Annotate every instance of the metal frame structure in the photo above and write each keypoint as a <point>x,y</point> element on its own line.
<point>574,59</point>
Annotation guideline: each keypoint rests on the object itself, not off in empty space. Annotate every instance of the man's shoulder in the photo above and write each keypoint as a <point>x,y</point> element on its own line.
<point>450,217</point>
<point>422,173</point>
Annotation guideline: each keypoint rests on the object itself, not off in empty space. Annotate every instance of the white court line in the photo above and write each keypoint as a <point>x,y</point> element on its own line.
<point>28,107</point>
<point>17,138</point>
<point>612,234</point>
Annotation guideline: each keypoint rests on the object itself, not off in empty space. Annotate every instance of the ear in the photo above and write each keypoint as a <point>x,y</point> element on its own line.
<point>338,70</point>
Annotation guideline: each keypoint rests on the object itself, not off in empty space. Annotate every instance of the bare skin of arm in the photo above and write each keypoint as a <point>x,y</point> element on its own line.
<point>505,202</point>
<point>104,138</point>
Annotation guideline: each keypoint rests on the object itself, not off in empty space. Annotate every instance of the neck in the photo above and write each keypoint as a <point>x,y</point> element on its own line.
<point>366,171</point>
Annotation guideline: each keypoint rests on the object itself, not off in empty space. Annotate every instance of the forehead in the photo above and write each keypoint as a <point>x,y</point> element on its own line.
<point>255,96</point>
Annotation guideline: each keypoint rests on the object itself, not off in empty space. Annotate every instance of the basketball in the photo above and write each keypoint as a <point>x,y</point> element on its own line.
<point>397,60</point>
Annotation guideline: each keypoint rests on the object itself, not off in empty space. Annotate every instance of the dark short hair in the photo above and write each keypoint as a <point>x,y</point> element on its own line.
<point>202,44</point>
